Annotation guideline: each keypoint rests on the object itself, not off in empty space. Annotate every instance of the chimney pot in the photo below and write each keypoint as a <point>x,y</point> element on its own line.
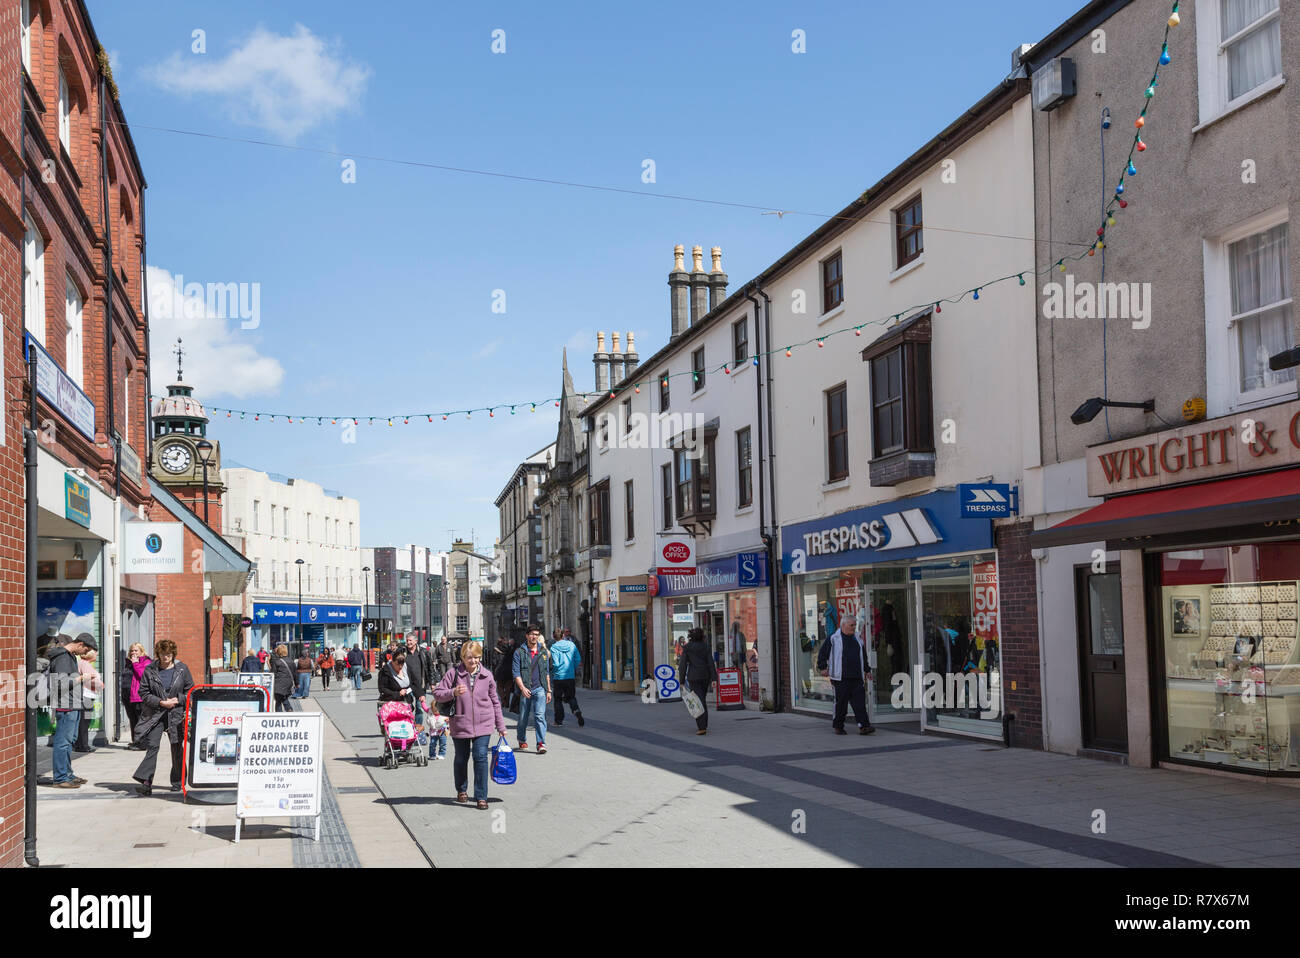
<point>717,280</point>
<point>699,286</point>
<point>716,253</point>
<point>678,292</point>
<point>679,257</point>
<point>697,259</point>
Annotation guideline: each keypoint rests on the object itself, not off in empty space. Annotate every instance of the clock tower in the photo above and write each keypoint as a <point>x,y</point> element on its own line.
<point>180,427</point>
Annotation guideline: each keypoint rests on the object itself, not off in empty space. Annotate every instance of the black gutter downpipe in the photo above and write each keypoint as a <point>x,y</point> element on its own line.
<point>773,567</point>
<point>762,491</point>
<point>30,532</point>
<point>109,378</point>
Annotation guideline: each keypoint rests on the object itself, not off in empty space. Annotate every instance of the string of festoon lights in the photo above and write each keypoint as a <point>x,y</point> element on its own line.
<point>1118,202</point>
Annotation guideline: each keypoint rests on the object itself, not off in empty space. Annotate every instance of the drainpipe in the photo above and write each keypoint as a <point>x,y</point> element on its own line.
<point>30,532</point>
<point>108,287</point>
<point>769,539</point>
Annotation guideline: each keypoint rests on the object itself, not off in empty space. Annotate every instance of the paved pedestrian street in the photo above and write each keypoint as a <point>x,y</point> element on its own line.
<point>637,787</point>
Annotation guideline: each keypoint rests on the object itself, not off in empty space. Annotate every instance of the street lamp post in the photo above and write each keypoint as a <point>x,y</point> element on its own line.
<point>205,456</point>
<point>299,564</point>
<point>365,575</point>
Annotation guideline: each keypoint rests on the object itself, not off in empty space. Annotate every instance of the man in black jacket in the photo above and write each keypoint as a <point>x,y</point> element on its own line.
<point>251,663</point>
<point>65,698</point>
<point>698,671</point>
<point>419,665</point>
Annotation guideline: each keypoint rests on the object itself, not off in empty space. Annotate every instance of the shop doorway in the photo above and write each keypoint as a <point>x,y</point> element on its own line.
<point>889,621</point>
<point>969,697</point>
<point>1099,613</point>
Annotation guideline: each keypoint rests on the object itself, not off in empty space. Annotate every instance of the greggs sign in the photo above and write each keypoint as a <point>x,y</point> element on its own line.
<point>1266,438</point>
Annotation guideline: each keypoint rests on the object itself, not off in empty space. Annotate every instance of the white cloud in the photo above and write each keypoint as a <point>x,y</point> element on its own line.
<point>220,357</point>
<point>284,84</point>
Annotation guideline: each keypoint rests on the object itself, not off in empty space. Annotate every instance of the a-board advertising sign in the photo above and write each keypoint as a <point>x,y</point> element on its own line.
<point>729,696</point>
<point>280,766</point>
<point>256,679</point>
<point>212,740</point>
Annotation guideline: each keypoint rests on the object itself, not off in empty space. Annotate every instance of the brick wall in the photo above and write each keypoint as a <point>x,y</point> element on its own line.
<point>1018,604</point>
<point>178,602</point>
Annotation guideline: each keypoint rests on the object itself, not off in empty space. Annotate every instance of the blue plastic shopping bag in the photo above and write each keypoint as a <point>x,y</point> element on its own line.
<point>503,763</point>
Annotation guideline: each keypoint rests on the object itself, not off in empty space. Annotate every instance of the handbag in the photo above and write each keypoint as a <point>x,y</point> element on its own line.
<point>693,703</point>
<point>503,763</point>
<point>366,676</point>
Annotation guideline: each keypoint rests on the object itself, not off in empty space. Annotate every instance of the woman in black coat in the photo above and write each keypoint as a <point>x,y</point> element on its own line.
<point>286,679</point>
<point>395,683</point>
<point>163,690</point>
<point>699,671</point>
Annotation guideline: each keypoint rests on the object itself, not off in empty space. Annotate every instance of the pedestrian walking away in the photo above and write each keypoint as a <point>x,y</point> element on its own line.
<point>164,688</point>
<point>282,683</point>
<point>326,663</point>
<point>843,659</point>
<point>565,659</point>
<point>356,665</point>
<point>699,672</point>
<point>304,667</point>
<point>65,697</point>
<point>136,663</point>
<point>340,665</point>
<point>252,662</point>
<point>501,662</point>
<point>532,676</point>
<point>478,713</point>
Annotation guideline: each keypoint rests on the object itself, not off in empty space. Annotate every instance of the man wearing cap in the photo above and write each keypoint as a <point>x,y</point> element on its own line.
<point>65,697</point>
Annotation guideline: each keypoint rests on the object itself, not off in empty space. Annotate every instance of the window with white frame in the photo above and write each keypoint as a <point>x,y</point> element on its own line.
<point>34,281</point>
<point>127,386</point>
<point>25,26</point>
<point>73,355</point>
<point>1239,47</point>
<point>1249,314</point>
<point>257,511</point>
<point>65,114</point>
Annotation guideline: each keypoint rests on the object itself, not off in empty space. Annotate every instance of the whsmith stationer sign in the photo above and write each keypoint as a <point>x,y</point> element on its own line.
<point>1267,438</point>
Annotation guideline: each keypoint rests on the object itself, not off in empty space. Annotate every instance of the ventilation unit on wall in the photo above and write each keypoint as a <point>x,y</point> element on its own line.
<point>1054,83</point>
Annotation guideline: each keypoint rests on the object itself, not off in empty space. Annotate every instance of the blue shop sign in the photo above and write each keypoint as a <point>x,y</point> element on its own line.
<point>745,570</point>
<point>911,528</point>
<point>273,613</point>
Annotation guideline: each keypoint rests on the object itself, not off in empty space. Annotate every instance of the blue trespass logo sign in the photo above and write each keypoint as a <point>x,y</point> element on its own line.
<point>153,543</point>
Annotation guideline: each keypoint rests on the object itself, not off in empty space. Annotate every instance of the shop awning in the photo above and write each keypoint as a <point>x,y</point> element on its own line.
<point>1243,500</point>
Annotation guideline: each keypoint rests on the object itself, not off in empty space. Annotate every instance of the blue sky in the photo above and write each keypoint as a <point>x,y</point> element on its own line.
<point>376,296</point>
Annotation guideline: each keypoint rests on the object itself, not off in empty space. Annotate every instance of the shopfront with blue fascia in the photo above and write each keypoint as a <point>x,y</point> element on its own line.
<point>921,583</point>
<point>321,626</point>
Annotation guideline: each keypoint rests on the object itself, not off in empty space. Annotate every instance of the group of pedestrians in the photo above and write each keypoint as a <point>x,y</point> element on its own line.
<point>470,696</point>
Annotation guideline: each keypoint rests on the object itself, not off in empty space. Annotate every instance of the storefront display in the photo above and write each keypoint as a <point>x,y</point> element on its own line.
<point>625,652</point>
<point>1232,662</point>
<point>929,617</point>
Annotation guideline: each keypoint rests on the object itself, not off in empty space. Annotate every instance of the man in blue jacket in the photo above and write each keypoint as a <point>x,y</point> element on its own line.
<point>565,659</point>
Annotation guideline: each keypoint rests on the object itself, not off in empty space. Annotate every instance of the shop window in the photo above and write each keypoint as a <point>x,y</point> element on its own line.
<point>909,244</point>
<point>1231,660</point>
<point>902,424</point>
<point>832,282</point>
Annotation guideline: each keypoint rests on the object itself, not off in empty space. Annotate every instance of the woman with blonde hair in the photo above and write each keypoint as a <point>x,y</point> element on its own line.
<point>136,663</point>
<point>285,680</point>
<point>478,713</point>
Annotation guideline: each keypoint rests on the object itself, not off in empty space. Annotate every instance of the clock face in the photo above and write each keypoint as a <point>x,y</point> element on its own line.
<point>175,458</point>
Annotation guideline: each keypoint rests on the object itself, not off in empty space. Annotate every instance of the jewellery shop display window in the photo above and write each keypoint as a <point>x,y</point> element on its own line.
<point>1232,665</point>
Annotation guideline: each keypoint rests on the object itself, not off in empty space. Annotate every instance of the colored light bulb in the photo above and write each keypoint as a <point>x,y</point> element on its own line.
<point>821,343</point>
<point>1022,279</point>
<point>1119,190</point>
<point>1132,170</point>
<point>1110,221</point>
<point>755,360</point>
<point>977,294</point>
<point>787,352</point>
<point>1140,122</point>
<point>1165,58</point>
<point>1151,91</point>
<point>938,307</point>
<point>1141,147</point>
<point>1174,18</point>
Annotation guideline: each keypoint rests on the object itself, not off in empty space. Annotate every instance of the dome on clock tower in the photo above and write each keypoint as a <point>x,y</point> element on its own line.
<point>179,411</point>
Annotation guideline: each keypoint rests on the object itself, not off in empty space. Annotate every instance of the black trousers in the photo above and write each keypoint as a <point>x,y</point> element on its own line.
<point>133,716</point>
<point>325,678</point>
<point>702,690</point>
<point>850,692</point>
<point>144,773</point>
<point>566,690</point>
<point>282,702</point>
<point>82,744</point>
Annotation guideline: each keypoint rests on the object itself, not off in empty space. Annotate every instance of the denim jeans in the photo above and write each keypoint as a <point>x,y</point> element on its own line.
<point>460,765</point>
<point>533,709</point>
<point>438,745</point>
<point>65,732</point>
<point>304,685</point>
<point>354,673</point>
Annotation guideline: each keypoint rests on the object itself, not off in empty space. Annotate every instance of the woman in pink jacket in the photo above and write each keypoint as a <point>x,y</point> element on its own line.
<point>136,663</point>
<point>478,712</point>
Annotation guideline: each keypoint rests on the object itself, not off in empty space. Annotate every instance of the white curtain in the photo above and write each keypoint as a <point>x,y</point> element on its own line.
<point>1260,271</point>
<point>1257,57</point>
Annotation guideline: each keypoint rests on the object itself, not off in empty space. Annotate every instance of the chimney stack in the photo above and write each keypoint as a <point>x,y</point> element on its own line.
<point>678,295</point>
<point>630,359</point>
<point>699,285</point>
<point>601,361</point>
<point>717,280</point>
<point>615,362</point>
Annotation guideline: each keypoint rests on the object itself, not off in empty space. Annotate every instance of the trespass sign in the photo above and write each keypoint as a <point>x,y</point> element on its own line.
<point>675,555</point>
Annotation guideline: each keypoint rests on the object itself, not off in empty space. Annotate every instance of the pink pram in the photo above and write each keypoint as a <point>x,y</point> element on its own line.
<point>401,736</point>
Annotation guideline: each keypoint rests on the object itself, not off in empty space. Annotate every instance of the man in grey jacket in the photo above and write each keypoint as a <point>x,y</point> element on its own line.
<point>65,698</point>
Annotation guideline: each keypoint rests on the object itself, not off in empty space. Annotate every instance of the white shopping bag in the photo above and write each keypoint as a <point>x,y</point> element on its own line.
<point>693,703</point>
